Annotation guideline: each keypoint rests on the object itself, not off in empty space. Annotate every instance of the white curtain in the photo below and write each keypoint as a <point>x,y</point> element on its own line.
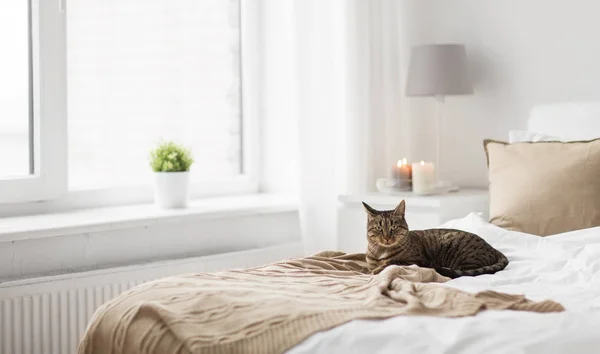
<point>348,106</point>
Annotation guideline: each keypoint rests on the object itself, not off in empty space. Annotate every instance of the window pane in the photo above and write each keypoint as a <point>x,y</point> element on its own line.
<point>14,88</point>
<point>142,71</point>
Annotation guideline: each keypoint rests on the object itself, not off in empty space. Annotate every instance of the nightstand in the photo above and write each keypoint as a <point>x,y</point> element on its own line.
<point>422,212</point>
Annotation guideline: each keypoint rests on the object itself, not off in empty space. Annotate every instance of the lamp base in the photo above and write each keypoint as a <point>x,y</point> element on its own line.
<point>446,187</point>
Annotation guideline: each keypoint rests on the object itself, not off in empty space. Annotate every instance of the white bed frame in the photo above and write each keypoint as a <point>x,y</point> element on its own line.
<point>568,120</point>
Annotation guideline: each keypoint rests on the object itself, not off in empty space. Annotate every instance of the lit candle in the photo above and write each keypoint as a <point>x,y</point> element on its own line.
<point>402,175</point>
<point>423,178</point>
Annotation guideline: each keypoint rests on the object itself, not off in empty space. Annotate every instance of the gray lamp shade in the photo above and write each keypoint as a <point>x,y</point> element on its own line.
<point>438,70</point>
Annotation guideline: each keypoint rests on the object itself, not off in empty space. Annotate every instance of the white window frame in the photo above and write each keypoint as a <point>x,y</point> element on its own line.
<point>48,107</point>
<point>50,124</point>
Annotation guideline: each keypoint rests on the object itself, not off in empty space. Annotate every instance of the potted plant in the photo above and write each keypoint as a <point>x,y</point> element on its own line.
<point>171,165</point>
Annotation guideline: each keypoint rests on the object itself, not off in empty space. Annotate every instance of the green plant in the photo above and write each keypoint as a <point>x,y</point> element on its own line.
<point>170,157</point>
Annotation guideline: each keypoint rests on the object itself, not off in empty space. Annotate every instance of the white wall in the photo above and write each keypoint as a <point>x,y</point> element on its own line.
<point>523,53</point>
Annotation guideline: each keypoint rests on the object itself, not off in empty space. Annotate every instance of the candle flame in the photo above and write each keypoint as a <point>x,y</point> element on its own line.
<point>422,163</point>
<point>401,162</point>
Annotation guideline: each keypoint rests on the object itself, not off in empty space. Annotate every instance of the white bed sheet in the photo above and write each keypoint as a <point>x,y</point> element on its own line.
<point>564,268</point>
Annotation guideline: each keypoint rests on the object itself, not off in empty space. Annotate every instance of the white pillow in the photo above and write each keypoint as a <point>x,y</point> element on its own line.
<point>519,136</point>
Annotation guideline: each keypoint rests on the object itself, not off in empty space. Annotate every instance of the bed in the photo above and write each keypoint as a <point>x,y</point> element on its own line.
<point>564,268</point>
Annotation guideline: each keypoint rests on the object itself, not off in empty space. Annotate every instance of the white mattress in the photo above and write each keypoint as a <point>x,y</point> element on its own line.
<point>564,268</point>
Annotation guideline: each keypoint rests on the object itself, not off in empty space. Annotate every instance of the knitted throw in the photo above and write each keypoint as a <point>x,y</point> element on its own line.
<point>270,309</point>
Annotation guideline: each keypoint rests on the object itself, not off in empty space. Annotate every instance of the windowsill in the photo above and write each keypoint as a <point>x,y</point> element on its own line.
<point>136,216</point>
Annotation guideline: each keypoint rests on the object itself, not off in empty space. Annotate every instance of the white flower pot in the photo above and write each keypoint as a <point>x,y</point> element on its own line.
<point>171,189</point>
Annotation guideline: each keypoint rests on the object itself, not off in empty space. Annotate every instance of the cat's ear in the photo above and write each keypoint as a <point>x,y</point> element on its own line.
<point>369,210</point>
<point>400,209</point>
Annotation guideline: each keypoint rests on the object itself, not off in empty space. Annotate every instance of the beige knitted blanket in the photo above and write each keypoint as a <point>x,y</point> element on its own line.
<point>270,309</point>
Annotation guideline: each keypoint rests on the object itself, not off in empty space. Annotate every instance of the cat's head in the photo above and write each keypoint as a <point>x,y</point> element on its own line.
<point>386,227</point>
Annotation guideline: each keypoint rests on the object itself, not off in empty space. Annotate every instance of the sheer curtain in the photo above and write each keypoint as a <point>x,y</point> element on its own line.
<point>348,106</point>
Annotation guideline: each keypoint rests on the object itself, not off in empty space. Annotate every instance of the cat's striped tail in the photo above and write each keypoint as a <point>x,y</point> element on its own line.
<point>491,269</point>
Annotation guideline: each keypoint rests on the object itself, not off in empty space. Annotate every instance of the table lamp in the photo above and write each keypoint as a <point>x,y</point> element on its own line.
<point>438,70</point>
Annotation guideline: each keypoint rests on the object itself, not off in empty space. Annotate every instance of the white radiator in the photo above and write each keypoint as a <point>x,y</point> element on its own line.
<point>50,314</point>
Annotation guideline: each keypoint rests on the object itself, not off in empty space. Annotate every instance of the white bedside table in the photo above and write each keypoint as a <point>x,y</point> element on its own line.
<point>422,212</point>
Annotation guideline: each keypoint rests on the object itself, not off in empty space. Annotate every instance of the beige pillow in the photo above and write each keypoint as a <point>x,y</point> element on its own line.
<point>544,188</point>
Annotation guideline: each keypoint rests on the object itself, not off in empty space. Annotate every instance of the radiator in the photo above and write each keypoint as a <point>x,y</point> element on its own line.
<point>50,314</point>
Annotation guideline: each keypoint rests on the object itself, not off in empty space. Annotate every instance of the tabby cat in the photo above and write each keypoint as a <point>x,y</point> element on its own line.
<point>452,253</point>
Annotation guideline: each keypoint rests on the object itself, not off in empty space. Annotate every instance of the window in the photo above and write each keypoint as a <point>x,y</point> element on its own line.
<point>14,91</point>
<point>33,101</point>
<point>135,75</point>
<point>139,74</point>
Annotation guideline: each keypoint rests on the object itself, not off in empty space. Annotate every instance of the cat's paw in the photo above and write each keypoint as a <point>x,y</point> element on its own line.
<point>378,270</point>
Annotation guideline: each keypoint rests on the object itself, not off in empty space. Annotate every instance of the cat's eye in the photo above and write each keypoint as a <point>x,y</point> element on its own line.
<point>394,227</point>
<point>378,228</point>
